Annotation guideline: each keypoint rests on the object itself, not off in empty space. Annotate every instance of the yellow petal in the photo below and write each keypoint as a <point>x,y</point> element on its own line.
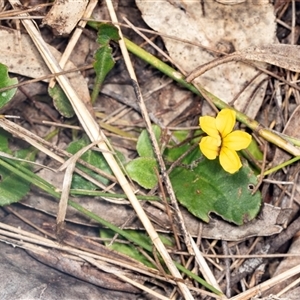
<point>225,121</point>
<point>210,146</point>
<point>208,125</point>
<point>237,140</point>
<point>229,160</point>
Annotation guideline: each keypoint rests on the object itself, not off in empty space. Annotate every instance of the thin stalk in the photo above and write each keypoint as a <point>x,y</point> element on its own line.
<point>265,133</point>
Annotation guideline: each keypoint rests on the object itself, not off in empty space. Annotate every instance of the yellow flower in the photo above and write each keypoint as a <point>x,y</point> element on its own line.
<point>222,141</point>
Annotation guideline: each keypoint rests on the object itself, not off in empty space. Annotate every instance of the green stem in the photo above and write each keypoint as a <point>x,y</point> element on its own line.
<point>281,166</point>
<point>265,133</point>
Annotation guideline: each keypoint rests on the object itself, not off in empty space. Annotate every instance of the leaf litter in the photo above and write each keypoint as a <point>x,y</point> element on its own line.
<point>167,110</point>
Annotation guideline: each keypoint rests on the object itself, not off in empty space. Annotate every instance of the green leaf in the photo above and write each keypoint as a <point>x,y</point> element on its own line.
<point>4,136</point>
<point>144,145</point>
<point>12,187</point>
<point>128,249</point>
<point>106,33</point>
<point>104,60</point>
<point>61,102</point>
<point>6,81</point>
<point>206,188</point>
<point>142,171</point>
<point>103,64</point>
<point>94,158</point>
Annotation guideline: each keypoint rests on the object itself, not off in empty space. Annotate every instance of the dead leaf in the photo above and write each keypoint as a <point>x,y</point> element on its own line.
<point>81,270</point>
<point>60,18</point>
<point>222,28</point>
<point>22,58</point>
<point>23,277</point>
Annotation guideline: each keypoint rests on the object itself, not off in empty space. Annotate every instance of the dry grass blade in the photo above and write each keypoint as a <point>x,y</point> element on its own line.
<point>24,236</point>
<point>205,270</point>
<point>30,241</point>
<point>22,239</point>
<point>51,151</point>
<point>70,167</point>
<point>3,154</point>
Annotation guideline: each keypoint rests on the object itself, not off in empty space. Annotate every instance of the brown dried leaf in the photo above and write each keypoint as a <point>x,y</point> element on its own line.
<point>222,28</point>
<point>83,271</point>
<point>281,55</point>
<point>60,18</point>
<point>23,277</point>
<point>22,57</point>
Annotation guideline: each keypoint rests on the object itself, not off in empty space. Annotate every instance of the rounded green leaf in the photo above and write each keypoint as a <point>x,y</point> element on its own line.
<point>207,188</point>
<point>106,33</point>
<point>142,171</point>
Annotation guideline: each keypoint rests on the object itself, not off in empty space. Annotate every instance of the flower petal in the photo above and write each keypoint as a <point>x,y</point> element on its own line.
<point>229,160</point>
<point>225,121</point>
<point>237,140</point>
<point>208,125</point>
<point>210,146</point>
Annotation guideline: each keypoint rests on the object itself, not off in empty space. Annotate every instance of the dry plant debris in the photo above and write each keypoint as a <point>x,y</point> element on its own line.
<point>258,260</point>
<point>211,29</point>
